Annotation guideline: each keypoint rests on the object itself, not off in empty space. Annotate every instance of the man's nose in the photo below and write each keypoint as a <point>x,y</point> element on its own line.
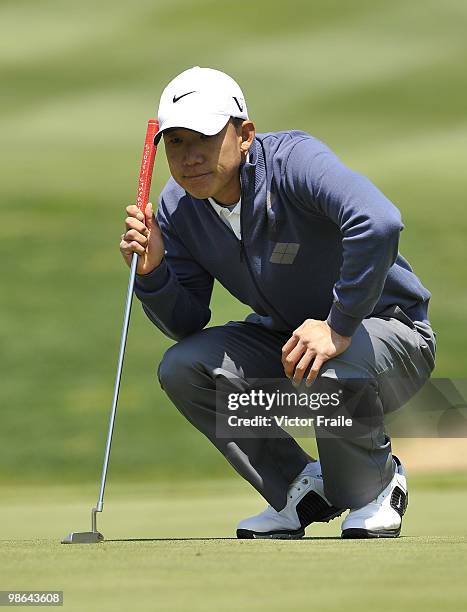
<point>192,156</point>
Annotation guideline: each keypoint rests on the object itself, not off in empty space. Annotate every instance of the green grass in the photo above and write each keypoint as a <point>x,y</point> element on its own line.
<point>382,83</point>
<point>170,547</point>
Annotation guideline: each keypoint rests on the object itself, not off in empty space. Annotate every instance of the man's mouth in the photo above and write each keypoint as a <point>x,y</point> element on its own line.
<point>192,177</point>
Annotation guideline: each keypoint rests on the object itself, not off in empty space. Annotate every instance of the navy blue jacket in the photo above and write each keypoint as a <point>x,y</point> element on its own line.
<point>319,241</point>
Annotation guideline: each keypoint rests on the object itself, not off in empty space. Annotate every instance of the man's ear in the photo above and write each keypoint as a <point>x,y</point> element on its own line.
<point>247,134</point>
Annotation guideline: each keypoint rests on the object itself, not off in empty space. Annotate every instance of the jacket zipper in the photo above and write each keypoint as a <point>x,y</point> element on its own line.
<point>229,230</point>
<point>244,257</point>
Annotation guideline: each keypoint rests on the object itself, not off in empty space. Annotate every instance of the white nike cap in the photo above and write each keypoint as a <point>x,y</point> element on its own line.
<point>200,99</point>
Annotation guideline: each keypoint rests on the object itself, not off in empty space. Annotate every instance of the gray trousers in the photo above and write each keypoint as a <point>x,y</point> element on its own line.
<point>394,354</point>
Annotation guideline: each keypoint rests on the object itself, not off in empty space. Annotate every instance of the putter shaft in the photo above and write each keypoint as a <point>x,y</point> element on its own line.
<point>121,355</point>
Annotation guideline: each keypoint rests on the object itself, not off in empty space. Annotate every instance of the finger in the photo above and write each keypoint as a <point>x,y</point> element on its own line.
<point>288,346</point>
<point>151,221</point>
<point>302,367</point>
<point>132,223</point>
<point>134,235</point>
<point>149,215</point>
<point>134,247</point>
<point>291,360</point>
<point>134,211</point>
<point>125,251</point>
<point>314,370</point>
<point>128,247</point>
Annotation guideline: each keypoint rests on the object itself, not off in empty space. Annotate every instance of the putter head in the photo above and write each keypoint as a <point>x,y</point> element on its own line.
<point>83,537</point>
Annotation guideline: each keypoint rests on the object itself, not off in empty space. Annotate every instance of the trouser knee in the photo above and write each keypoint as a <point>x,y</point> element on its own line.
<point>176,370</point>
<point>355,398</point>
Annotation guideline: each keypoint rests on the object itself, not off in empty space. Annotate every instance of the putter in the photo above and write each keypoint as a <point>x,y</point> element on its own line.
<point>144,186</point>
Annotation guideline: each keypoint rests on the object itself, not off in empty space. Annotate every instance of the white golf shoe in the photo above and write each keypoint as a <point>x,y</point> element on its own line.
<point>381,518</point>
<point>306,504</point>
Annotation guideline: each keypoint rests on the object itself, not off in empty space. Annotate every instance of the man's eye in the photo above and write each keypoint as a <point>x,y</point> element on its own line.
<point>175,141</point>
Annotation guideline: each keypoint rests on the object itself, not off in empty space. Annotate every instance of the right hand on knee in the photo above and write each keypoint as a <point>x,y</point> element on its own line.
<point>142,236</point>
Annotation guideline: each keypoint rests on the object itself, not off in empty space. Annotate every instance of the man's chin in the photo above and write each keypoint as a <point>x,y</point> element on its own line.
<point>199,189</point>
<point>198,193</point>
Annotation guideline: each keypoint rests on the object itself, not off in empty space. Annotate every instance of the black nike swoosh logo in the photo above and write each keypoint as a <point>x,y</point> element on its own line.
<point>176,99</point>
<point>240,107</point>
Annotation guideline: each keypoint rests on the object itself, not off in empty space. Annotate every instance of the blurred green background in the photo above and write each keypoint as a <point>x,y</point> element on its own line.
<point>382,83</point>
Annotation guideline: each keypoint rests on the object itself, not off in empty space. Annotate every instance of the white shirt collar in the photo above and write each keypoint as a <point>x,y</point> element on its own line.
<point>227,211</point>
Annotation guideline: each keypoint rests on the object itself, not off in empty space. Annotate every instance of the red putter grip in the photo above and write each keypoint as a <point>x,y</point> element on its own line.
<point>147,165</point>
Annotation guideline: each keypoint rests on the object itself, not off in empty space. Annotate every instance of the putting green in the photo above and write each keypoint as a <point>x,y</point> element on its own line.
<point>382,83</point>
<point>171,548</point>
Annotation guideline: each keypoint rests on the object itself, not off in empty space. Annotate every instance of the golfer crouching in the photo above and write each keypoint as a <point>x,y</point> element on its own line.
<point>312,248</point>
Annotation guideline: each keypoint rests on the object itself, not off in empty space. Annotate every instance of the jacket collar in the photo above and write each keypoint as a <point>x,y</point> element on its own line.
<point>252,172</point>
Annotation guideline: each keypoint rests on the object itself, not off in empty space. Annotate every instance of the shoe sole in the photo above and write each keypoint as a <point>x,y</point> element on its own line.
<point>361,534</point>
<point>246,534</point>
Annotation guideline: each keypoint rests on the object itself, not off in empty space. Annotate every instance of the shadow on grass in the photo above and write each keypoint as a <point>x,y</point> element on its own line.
<point>168,539</point>
<point>217,539</point>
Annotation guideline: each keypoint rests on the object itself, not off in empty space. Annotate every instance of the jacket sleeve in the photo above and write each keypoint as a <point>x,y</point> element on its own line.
<point>176,295</point>
<point>370,225</point>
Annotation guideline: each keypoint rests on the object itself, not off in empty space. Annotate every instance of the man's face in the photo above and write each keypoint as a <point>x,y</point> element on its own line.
<point>206,166</point>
